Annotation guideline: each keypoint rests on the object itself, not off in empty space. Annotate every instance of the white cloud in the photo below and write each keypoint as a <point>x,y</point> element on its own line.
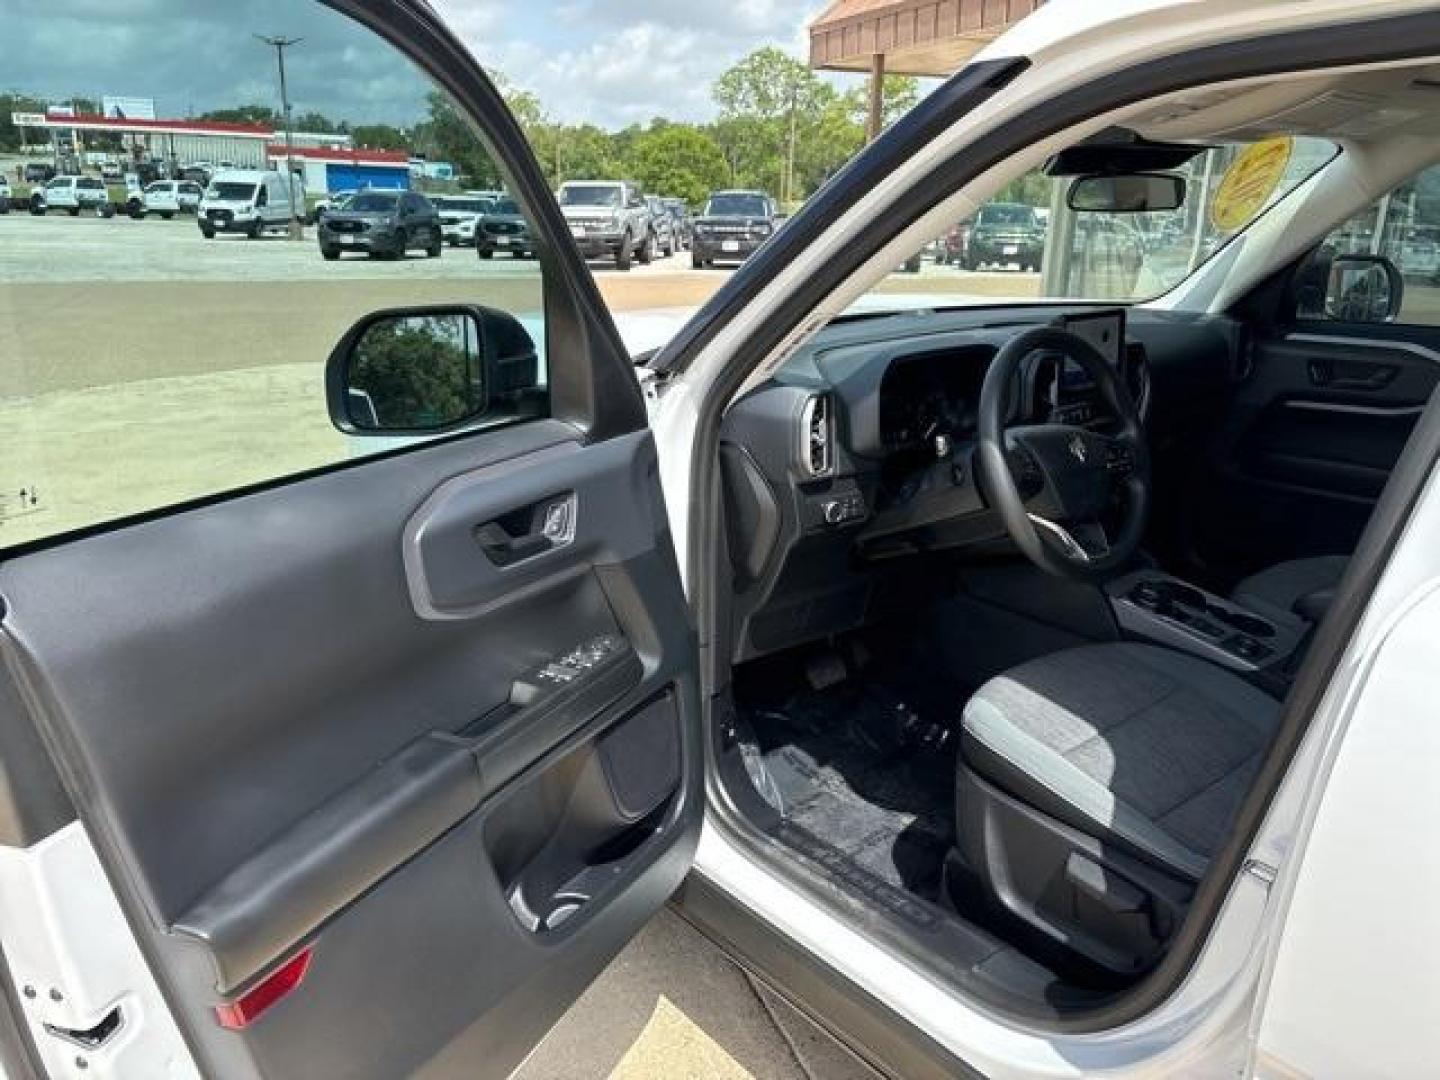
<point>618,62</point>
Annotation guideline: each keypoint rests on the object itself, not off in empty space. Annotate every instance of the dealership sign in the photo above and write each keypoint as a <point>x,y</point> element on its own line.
<point>27,119</point>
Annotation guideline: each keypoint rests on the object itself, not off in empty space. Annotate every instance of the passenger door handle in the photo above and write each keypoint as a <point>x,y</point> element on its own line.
<point>528,532</point>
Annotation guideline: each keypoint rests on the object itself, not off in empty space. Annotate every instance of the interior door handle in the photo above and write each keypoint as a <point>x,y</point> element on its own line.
<point>529,532</point>
<point>1351,376</point>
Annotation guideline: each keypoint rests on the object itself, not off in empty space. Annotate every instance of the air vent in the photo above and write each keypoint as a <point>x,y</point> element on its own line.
<point>817,436</point>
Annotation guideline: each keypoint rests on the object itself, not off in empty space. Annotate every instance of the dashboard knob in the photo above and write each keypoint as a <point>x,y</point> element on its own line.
<point>835,512</point>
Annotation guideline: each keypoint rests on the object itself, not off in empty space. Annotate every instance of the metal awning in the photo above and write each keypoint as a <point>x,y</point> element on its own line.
<point>915,37</point>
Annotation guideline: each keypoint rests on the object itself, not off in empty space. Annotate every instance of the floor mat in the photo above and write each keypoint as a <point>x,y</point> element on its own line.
<point>843,769</point>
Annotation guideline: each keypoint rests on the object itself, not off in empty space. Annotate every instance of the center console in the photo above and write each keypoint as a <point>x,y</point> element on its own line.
<point>1155,606</point>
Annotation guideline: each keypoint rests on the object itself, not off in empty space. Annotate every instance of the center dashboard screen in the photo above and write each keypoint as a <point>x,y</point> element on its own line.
<point>1105,330</point>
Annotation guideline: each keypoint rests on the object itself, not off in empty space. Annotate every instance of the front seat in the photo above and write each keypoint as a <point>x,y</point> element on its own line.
<point>1094,785</point>
<point>1302,587</point>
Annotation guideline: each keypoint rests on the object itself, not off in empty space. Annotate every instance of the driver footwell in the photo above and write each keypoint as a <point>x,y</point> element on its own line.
<point>846,766</point>
<point>857,759</point>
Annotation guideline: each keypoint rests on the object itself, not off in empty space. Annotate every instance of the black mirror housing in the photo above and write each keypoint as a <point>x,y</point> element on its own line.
<point>429,370</point>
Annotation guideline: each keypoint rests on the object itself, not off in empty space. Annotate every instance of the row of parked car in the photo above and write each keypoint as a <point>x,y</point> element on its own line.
<point>615,220</point>
<point>610,220</point>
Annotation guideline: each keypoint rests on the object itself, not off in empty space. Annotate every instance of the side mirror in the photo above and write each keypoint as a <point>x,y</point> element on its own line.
<point>1364,289</point>
<point>1132,193</point>
<point>426,371</point>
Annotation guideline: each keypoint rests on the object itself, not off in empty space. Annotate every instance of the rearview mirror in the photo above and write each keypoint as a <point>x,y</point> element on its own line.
<point>1365,289</point>
<point>425,371</point>
<point>1132,193</point>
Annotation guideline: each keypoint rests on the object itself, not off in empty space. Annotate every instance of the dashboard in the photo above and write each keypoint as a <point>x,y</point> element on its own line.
<point>858,454</point>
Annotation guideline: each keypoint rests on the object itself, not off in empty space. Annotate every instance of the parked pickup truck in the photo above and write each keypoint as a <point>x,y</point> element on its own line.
<point>72,194</point>
<point>609,219</point>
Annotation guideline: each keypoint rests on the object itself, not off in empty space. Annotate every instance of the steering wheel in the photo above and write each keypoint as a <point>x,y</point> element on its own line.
<point>1055,485</point>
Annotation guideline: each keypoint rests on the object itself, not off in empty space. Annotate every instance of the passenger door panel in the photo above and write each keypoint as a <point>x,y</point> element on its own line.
<point>319,717</point>
<point>1307,445</point>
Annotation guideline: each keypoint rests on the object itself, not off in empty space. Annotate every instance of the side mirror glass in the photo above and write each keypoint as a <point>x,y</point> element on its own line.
<point>1365,289</point>
<point>409,373</point>
<point>1132,193</point>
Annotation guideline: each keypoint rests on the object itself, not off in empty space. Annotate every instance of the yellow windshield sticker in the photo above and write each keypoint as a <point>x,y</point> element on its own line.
<point>1249,182</point>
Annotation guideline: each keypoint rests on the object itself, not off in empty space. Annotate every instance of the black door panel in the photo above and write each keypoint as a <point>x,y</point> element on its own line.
<point>1306,447</point>
<point>278,745</point>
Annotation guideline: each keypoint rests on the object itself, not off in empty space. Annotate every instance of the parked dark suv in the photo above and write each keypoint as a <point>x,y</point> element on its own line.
<point>1006,233</point>
<point>37,172</point>
<point>383,224</point>
<point>733,226</point>
<point>503,228</point>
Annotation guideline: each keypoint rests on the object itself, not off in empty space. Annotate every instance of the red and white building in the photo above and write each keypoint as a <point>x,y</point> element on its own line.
<point>180,142</point>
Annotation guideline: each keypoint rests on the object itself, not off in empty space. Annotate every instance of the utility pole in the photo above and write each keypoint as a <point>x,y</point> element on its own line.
<point>280,44</point>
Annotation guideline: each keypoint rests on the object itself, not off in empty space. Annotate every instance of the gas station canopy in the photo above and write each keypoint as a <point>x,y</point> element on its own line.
<point>915,37</point>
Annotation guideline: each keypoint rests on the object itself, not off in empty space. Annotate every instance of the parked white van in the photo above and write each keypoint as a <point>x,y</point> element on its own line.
<point>247,201</point>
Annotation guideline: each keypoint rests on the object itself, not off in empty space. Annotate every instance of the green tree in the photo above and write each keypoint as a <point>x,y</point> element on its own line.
<point>315,122</point>
<point>576,152</point>
<point>447,136</point>
<point>12,137</point>
<point>417,373</point>
<point>244,114</point>
<point>782,105</point>
<point>379,137</point>
<point>678,160</point>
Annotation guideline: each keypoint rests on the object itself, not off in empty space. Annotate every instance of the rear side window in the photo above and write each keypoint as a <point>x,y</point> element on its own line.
<point>195,363</point>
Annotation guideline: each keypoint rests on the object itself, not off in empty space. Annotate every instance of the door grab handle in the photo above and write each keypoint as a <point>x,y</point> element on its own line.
<point>528,532</point>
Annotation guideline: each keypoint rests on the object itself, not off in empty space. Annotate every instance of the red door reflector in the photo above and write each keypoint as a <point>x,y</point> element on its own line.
<point>246,1009</point>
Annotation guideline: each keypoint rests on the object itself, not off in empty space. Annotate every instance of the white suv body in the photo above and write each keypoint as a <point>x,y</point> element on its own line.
<point>75,193</point>
<point>170,197</point>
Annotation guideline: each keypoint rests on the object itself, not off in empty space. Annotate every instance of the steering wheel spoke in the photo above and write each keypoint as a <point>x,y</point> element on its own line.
<point>1086,542</point>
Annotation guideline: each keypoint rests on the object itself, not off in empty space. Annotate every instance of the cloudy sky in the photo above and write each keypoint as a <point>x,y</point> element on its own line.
<point>611,62</point>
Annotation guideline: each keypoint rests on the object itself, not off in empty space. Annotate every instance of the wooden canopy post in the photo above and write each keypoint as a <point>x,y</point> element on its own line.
<point>876,122</point>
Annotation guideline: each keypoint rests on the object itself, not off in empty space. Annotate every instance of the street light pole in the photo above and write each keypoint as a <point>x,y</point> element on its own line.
<point>280,44</point>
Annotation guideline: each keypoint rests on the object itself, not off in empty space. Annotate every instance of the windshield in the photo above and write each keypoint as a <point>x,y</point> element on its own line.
<point>232,192</point>
<point>1028,244</point>
<point>736,206</point>
<point>589,195</point>
<point>372,203</point>
<point>506,206</point>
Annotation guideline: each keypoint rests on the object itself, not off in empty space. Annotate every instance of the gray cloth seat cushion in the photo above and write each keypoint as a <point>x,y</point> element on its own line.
<point>1275,591</point>
<point>1138,746</point>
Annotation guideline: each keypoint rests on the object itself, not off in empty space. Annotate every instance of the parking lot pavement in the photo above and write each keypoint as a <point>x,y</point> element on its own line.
<point>673,1007</point>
